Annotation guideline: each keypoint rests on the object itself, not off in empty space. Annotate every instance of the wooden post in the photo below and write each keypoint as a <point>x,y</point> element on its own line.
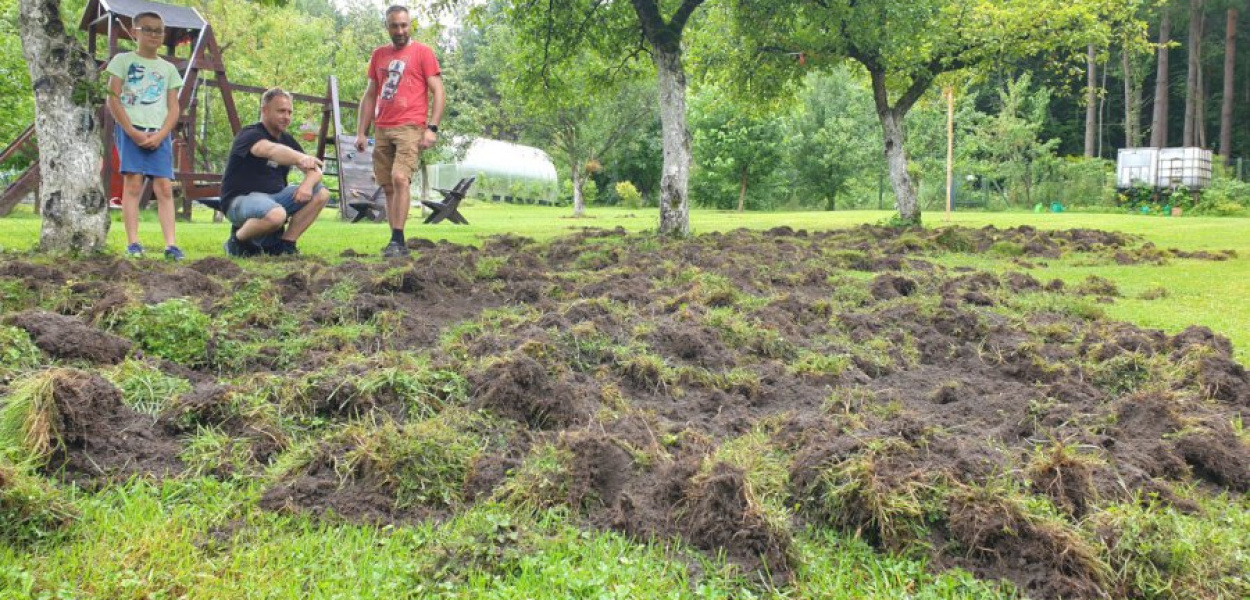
<point>950,148</point>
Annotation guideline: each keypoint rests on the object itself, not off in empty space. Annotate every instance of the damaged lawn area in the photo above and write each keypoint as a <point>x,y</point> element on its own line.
<point>792,414</point>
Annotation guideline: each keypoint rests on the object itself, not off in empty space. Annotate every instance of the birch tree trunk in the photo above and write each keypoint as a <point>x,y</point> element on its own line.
<point>1091,98</point>
<point>1159,122</point>
<point>1226,108</point>
<point>579,200</point>
<point>75,212</point>
<point>675,179</point>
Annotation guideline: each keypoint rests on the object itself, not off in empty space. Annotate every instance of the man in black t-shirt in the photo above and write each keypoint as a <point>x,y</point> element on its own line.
<point>255,196</point>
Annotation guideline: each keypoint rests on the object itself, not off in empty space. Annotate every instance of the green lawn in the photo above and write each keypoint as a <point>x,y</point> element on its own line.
<point>1215,294</point>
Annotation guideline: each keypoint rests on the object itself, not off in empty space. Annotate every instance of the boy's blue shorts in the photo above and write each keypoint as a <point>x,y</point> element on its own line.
<point>154,163</point>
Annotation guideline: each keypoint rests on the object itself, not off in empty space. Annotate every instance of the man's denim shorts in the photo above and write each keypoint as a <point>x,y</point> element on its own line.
<point>258,204</point>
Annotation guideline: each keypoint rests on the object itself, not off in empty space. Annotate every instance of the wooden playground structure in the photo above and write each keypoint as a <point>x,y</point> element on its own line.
<point>201,64</point>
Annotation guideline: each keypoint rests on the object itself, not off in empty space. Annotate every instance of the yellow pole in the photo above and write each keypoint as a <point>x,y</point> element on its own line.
<point>950,148</point>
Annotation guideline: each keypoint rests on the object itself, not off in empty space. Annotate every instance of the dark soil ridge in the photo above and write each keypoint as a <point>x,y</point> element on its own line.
<point>103,441</point>
<point>641,357</point>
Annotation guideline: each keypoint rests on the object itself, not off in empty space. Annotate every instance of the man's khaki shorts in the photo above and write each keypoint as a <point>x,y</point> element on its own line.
<point>396,150</point>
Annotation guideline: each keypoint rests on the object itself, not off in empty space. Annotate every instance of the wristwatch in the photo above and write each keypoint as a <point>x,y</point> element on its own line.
<point>433,128</point>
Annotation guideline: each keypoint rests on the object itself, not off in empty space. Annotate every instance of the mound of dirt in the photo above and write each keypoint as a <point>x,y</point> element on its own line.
<point>712,511</point>
<point>68,338</point>
<point>103,440</point>
<point>209,405</point>
<point>996,539</point>
<point>320,489</point>
<point>521,389</point>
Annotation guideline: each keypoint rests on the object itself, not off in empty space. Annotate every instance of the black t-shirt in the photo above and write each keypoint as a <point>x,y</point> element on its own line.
<point>246,172</point>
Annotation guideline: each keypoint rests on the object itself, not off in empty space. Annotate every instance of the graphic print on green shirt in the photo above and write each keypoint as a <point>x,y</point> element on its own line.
<point>145,83</point>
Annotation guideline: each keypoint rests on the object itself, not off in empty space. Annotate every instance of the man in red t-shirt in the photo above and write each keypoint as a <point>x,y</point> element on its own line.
<point>404,82</point>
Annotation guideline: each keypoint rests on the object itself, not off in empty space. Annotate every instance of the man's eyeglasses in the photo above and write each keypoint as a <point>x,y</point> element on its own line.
<point>150,31</point>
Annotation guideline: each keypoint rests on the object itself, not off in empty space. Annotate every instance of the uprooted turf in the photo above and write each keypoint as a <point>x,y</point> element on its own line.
<point>744,393</point>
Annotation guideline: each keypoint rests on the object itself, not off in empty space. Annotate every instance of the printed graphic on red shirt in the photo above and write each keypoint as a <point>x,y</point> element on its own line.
<point>394,73</point>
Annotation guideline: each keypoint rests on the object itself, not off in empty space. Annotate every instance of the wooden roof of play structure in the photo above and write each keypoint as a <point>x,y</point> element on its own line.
<point>191,45</point>
<point>180,21</point>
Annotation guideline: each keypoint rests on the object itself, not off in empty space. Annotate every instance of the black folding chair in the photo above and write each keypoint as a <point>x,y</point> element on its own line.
<point>449,208</point>
<point>368,208</point>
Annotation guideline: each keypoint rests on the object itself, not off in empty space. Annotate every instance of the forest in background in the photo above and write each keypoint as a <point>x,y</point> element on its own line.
<point>1024,131</point>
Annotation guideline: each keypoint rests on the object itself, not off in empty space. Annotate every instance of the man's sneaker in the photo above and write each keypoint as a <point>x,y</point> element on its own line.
<point>236,247</point>
<point>174,253</point>
<point>134,250</point>
<point>281,247</point>
<point>396,250</point>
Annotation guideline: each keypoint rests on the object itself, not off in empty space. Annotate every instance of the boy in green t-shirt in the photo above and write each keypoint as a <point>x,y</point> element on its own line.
<point>144,102</point>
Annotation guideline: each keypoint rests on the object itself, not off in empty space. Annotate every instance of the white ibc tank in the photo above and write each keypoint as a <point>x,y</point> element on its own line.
<point>1190,167</point>
<point>1136,166</point>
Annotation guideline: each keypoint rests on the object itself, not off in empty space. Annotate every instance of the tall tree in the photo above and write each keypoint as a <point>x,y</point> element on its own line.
<point>1132,98</point>
<point>620,32</point>
<point>1159,122</point>
<point>736,146</point>
<point>63,74</point>
<point>906,46</point>
<point>664,38</point>
<point>1193,74</point>
<point>1226,108</point>
<point>584,122</point>
<point>831,138</point>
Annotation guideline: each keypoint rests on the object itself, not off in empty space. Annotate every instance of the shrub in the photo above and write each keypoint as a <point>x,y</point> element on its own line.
<point>174,329</point>
<point>1225,196</point>
<point>629,195</point>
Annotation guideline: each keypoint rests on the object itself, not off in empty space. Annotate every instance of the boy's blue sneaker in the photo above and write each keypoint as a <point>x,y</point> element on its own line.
<point>134,250</point>
<point>174,253</point>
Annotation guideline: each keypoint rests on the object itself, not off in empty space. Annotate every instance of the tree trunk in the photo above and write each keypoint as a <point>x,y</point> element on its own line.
<point>1091,98</point>
<point>675,179</point>
<point>75,211</point>
<point>1200,102</point>
<point>742,191</point>
<point>1102,110</point>
<point>1028,182</point>
<point>579,201</point>
<point>1188,133</point>
<point>1159,122</point>
<point>896,159</point>
<point>1226,108</point>
<point>1132,103</point>
<point>895,153</point>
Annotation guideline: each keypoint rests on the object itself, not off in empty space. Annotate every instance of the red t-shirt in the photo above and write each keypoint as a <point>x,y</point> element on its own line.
<point>400,75</point>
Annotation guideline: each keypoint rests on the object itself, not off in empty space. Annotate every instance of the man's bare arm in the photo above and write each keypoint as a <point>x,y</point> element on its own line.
<point>368,103</point>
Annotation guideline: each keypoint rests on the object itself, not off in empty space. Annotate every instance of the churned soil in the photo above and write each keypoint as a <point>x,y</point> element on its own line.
<point>102,439</point>
<point>909,403</point>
